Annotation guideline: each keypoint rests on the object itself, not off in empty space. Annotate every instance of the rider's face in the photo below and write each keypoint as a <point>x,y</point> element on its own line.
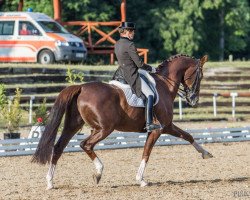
<point>131,34</point>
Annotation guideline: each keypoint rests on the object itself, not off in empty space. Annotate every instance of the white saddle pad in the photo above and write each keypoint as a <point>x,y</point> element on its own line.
<point>132,99</point>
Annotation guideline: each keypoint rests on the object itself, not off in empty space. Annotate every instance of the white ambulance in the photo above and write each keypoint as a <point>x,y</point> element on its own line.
<point>35,37</point>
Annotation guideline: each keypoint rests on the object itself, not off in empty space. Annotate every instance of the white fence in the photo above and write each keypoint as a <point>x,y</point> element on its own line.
<point>233,95</point>
<point>16,147</point>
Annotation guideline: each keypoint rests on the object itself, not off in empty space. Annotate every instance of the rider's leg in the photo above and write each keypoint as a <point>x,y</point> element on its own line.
<point>146,90</point>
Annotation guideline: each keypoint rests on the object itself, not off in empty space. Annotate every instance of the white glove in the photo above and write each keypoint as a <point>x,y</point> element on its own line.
<point>153,70</point>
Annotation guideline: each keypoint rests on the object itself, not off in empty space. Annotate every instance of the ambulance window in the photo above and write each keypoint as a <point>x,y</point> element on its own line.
<point>52,27</point>
<point>7,27</point>
<point>27,28</point>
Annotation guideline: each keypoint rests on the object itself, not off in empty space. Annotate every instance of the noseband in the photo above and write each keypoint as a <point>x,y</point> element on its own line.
<point>189,93</point>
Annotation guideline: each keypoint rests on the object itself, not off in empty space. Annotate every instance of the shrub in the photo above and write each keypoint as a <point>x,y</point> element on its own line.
<point>41,114</point>
<point>3,98</point>
<point>11,111</point>
<point>72,77</point>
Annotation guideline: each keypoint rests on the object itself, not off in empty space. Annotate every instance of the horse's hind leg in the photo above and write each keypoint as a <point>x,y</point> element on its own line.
<point>73,122</point>
<point>88,145</point>
<point>177,132</point>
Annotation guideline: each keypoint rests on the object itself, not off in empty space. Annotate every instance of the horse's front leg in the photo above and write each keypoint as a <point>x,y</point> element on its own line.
<point>177,132</point>
<point>151,139</point>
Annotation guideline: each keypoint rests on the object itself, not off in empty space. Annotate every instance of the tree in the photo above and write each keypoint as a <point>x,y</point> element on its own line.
<point>43,6</point>
<point>166,27</point>
<point>88,10</point>
<point>227,26</point>
<point>177,24</point>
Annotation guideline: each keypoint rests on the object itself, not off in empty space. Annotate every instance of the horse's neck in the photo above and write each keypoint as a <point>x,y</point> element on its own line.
<point>171,83</point>
<point>172,73</point>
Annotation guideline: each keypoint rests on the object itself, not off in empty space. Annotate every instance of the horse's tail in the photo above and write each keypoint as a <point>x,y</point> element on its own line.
<point>46,142</point>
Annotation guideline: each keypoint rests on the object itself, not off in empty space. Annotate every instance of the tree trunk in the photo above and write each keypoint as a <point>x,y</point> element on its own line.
<point>222,35</point>
<point>20,5</point>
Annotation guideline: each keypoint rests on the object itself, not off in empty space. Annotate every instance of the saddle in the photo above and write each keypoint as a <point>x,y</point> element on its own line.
<point>131,98</point>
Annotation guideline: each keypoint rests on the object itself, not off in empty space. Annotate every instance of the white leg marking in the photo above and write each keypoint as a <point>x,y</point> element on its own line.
<point>198,147</point>
<point>139,175</point>
<point>50,176</point>
<point>98,165</point>
<point>205,154</point>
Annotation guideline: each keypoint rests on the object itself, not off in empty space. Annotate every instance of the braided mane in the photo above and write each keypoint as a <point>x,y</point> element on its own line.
<point>162,69</point>
<point>172,58</point>
<point>177,56</point>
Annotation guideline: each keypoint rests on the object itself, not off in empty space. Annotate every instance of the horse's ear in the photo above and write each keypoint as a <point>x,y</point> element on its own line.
<point>204,59</point>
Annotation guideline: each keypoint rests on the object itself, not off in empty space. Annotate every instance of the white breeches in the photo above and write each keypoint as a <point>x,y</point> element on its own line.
<point>146,90</point>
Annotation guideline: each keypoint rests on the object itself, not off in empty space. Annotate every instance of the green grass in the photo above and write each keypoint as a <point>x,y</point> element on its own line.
<point>41,95</point>
<point>28,75</point>
<point>226,82</point>
<point>212,91</point>
<point>219,99</point>
<point>35,105</point>
<point>245,64</point>
<point>209,109</point>
<point>60,66</point>
<point>32,85</point>
<point>243,74</point>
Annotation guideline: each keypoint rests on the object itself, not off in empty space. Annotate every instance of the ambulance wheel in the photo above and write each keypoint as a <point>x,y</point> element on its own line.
<point>46,57</point>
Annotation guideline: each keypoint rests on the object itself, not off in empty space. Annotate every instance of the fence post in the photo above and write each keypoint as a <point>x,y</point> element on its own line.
<point>233,95</point>
<point>214,104</point>
<point>180,108</point>
<point>31,106</point>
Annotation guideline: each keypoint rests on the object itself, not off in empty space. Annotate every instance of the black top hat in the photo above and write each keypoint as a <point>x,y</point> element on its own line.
<point>128,25</point>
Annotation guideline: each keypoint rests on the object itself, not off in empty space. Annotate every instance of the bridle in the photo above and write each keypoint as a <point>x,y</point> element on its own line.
<point>185,92</point>
<point>190,93</point>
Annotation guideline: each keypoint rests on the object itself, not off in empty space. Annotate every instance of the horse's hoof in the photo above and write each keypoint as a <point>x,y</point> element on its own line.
<point>49,187</point>
<point>97,178</point>
<point>143,183</point>
<point>207,155</point>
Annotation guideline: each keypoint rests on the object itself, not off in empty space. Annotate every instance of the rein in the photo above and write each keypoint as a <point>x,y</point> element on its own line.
<point>188,93</point>
<point>184,91</point>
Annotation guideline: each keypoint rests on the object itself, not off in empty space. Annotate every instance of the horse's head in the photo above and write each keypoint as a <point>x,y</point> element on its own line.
<point>184,72</point>
<point>192,79</point>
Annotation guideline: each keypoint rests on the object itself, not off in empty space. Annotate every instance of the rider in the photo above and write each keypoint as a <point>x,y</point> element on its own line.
<point>129,63</point>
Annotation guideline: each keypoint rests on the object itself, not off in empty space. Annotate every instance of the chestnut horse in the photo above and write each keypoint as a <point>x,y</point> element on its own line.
<point>105,109</point>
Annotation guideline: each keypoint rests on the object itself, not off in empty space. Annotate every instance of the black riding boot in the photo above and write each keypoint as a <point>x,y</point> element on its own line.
<point>149,115</point>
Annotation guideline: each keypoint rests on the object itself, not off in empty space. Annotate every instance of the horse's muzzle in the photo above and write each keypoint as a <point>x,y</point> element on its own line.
<point>193,100</point>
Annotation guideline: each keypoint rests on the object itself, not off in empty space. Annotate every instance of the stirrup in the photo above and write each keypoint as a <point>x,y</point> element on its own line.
<point>151,127</point>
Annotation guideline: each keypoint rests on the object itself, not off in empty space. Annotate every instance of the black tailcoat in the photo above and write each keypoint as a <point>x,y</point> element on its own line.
<point>129,63</point>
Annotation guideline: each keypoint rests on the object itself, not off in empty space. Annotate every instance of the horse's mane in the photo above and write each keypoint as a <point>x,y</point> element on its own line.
<point>163,69</point>
<point>172,58</point>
